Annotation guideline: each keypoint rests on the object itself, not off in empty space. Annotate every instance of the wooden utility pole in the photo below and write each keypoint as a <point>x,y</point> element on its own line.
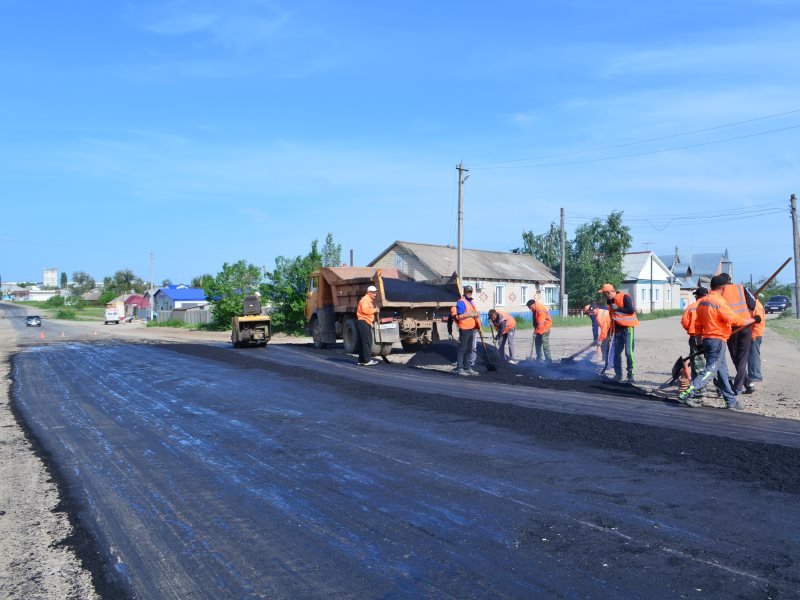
<point>461,179</point>
<point>563,289</point>
<point>793,201</point>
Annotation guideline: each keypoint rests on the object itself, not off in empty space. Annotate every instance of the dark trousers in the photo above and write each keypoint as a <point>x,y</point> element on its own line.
<point>595,328</point>
<point>365,337</point>
<point>754,365</point>
<point>739,349</point>
<point>623,342</point>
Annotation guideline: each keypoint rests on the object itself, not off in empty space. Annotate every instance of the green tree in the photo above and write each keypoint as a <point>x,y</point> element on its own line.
<point>227,290</point>
<point>106,297</point>
<point>166,282</point>
<point>123,282</point>
<point>63,280</point>
<point>286,289</point>
<point>331,253</point>
<point>82,282</point>
<point>546,247</point>
<point>595,257</point>
<point>200,280</point>
<point>775,288</point>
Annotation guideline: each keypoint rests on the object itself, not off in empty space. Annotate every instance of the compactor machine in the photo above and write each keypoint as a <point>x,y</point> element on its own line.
<point>252,328</point>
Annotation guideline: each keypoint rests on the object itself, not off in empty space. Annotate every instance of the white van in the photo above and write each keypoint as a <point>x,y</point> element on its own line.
<point>112,316</point>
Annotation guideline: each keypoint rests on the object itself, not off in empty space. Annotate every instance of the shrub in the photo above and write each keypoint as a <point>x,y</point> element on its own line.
<point>67,314</point>
<point>54,301</point>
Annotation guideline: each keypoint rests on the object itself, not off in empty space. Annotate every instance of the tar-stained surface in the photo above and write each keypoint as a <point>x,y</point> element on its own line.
<point>207,472</point>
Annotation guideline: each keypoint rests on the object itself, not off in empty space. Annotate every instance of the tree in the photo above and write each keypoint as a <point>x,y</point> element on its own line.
<point>200,280</point>
<point>286,289</point>
<point>123,282</point>
<point>775,288</point>
<point>546,247</point>
<point>595,257</point>
<point>82,282</point>
<point>331,253</point>
<point>63,280</point>
<point>166,282</point>
<point>227,290</point>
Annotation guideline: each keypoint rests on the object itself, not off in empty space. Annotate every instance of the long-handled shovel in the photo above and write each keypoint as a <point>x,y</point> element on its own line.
<point>571,357</point>
<point>489,364</point>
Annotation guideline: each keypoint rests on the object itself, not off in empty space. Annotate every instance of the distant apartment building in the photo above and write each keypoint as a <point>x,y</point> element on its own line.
<point>50,278</point>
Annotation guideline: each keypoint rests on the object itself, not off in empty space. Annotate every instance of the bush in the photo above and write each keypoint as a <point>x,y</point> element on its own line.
<point>67,314</point>
<point>54,301</point>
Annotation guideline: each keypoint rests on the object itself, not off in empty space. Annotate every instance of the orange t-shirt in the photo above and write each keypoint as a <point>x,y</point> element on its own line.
<point>689,319</point>
<point>541,316</point>
<point>366,309</point>
<point>603,323</point>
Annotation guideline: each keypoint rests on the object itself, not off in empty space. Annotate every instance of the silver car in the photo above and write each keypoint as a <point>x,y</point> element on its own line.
<point>33,321</point>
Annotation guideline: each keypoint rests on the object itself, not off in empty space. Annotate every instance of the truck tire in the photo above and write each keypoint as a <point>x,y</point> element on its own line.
<point>350,336</point>
<point>316,334</point>
<point>386,349</point>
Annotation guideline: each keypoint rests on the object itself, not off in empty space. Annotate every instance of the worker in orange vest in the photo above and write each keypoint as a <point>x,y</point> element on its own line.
<point>603,329</point>
<point>506,327</point>
<point>754,361</point>
<point>365,315</point>
<point>741,301</point>
<point>542,322</point>
<point>689,323</point>
<point>623,322</point>
<point>468,320</point>
<point>714,321</point>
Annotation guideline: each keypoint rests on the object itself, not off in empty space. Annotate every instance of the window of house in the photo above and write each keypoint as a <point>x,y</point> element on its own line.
<point>523,294</point>
<point>549,295</point>
<point>644,294</point>
<point>400,262</point>
<point>499,295</point>
<point>669,295</point>
<point>657,293</point>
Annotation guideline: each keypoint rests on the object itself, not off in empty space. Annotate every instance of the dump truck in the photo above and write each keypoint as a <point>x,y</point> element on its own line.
<point>411,312</point>
<point>252,328</point>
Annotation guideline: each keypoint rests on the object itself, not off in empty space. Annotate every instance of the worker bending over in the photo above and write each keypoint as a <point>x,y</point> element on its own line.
<point>542,322</point>
<point>689,322</point>
<point>603,329</point>
<point>714,321</point>
<point>506,327</point>
<point>754,361</point>
<point>623,322</point>
<point>743,303</point>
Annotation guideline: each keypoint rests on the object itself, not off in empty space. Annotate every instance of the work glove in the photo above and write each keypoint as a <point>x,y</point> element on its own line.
<point>757,318</point>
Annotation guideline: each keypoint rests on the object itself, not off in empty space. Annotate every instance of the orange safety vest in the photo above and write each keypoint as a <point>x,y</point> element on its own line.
<point>734,296</point>
<point>541,318</point>
<point>468,322</point>
<point>622,319</point>
<point>689,319</point>
<point>510,322</point>
<point>603,323</point>
<point>715,318</point>
<point>758,328</point>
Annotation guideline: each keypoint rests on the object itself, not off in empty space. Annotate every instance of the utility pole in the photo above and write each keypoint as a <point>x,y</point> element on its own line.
<point>461,179</point>
<point>652,301</point>
<point>563,289</point>
<point>793,201</point>
<point>351,257</point>
<point>151,285</point>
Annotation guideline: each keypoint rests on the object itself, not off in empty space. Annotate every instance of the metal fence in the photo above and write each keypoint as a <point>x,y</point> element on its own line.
<point>191,316</point>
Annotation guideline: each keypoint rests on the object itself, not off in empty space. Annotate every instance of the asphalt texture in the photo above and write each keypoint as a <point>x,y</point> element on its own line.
<point>200,471</point>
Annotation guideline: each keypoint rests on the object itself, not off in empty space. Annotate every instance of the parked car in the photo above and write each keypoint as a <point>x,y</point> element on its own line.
<point>111,316</point>
<point>776,304</point>
<point>33,321</point>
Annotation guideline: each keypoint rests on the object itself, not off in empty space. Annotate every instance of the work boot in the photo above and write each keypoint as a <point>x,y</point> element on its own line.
<point>749,389</point>
<point>735,406</point>
<point>686,394</point>
<point>472,372</point>
<point>631,379</point>
<point>617,379</point>
<point>462,372</point>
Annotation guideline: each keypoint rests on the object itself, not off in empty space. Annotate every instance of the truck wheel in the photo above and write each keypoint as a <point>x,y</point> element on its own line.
<point>316,334</point>
<point>386,349</point>
<point>350,336</point>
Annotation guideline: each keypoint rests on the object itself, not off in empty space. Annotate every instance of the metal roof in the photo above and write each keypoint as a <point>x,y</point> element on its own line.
<point>477,264</point>
<point>183,294</point>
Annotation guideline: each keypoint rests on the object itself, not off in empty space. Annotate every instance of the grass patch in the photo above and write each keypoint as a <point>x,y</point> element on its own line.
<point>87,313</point>
<point>172,323</point>
<point>787,326</point>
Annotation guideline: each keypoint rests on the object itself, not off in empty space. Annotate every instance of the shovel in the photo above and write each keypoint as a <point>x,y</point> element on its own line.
<point>571,357</point>
<point>489,365</point>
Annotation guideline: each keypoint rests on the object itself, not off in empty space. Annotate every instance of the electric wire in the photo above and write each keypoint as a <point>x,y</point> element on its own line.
<point>644,141</point>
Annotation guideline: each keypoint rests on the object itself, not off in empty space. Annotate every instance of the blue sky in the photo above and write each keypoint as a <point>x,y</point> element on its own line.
<point>208,131</point>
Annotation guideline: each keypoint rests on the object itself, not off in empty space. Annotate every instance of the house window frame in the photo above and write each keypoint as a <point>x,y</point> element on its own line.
<point>550,295</point>
<point>523,294</point>
<point>400,262</point>
<point>500,294</point>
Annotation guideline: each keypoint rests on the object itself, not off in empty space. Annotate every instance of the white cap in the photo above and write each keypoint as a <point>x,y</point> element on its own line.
<point>372,288</point>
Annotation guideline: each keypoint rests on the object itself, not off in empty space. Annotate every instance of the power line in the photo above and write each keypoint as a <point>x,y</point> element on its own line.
<point>654,139</point>
<point>604,158</point>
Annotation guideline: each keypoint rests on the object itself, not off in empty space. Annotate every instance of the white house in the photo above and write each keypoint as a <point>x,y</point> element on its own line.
<point>650,283</point>
<point>502,280</point>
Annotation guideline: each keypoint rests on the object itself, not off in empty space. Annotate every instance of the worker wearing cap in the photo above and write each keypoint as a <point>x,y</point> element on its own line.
<point>542,322</point>
<point>689,323</point>
<point>506,327</point>
<point>742,302</point>
<point>365,314</point>
<point>754,360</point>
<point>468,320</point>
<point>623,321</point>
<point>714,321</point>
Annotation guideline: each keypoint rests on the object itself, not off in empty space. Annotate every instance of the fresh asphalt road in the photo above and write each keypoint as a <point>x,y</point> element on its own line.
<point>209,472</point>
